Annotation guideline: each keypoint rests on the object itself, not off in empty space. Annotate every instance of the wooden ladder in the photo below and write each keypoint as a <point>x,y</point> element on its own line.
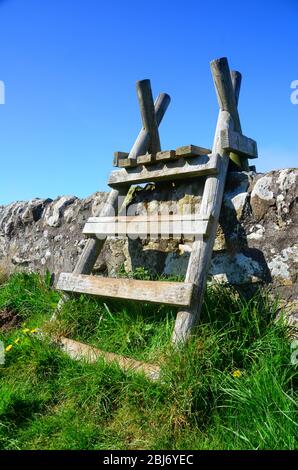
<point>147,163</point>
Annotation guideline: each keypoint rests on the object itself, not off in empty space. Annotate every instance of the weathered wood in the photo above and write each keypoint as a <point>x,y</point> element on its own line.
<point>224,89</point>
<point>201,252</point>
<point>141,145</point>
<point>127,163</point>
<point>80,351</point>
<point>191,151</point>
<point>166,155</point>
<point>164,226</point>
<point>236,78</point>
<point>93,247</point>
<point>239,161</point>
<point>179,169</point>
<point>119,156</point>
<point>227,89</point>
<point>148,159</point>
<point>163,292</point>
<point>147,110</point>
<point>238,143</point>
<point>145,159</point>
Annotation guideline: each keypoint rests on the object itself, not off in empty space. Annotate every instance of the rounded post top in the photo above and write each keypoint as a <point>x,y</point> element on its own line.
<point>144,82</point>
<point>222,61</point>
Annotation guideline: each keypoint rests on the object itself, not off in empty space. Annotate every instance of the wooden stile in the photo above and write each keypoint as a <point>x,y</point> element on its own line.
<point>147,163</point>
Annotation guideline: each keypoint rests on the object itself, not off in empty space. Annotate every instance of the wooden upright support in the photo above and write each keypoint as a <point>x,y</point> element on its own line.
<point>212,198</point>
<point>144,139</point>
<point>146,104</point>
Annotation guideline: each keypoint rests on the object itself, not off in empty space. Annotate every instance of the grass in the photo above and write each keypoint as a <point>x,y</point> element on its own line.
<point>231,387</point>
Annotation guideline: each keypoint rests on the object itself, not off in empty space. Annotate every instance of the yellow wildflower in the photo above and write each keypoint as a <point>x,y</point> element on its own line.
<point>16,341</point>
<point>34,330</point>
<point>8,348</point>
<point>237,373</point>
<point>26,330</point>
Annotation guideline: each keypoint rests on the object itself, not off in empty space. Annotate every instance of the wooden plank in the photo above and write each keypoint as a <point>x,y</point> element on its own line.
<point>179,169</point>
<point>164,156</point>
<point>148,159</point>
<point>238,143</point>
<point>191,151</point>
<point>144,218</point>
<point>80,351</point>
<point>119,156</point>
<point>145,159</point>
<point>141,145</point>
<point>127,163</point>
<point>158,225</point>
<point>169,293</point>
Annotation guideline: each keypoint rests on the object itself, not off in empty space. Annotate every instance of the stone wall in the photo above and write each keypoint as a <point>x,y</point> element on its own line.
<point>256,240</point>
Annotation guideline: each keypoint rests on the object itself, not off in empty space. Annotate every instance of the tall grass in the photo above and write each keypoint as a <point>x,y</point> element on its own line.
<point>231,387</point>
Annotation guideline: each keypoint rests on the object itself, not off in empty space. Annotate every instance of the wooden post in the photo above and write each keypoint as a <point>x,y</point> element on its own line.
<point>142,143</point>
<point>200,257</point>
<point>146,104</point>
<point>239,161</point>
<point>94,246</point>
<point>236,78</point>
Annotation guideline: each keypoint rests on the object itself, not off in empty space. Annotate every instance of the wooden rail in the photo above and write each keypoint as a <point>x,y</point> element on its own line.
<point>157,292</point>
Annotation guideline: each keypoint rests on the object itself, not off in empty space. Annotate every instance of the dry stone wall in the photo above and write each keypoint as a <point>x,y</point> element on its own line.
<point>256,240</point>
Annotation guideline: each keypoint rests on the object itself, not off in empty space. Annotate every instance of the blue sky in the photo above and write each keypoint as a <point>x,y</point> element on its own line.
<point>70,68</point>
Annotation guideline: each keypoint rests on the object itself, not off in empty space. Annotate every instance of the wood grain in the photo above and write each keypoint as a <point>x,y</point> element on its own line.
<point>179,169</point>
<point>169,293</point>
<point>153,225</point>
<point>142,142</point>
<point>80,351</point>
<point>191,151</point>
<point>238,143</point>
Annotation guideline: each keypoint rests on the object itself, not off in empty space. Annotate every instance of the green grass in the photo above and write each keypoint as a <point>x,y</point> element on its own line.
<point>48,401</point>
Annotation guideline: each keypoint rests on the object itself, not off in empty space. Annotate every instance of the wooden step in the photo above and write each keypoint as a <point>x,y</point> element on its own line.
<point>81,351</point>
<point>122,161</point>
<point>177,169</point>
<point>237,143</point>
<point>191,151</point>
<point>141,226</point>
<point>159,292</point>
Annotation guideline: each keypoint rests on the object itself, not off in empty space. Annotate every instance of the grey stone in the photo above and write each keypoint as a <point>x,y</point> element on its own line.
<point>256,240</point>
